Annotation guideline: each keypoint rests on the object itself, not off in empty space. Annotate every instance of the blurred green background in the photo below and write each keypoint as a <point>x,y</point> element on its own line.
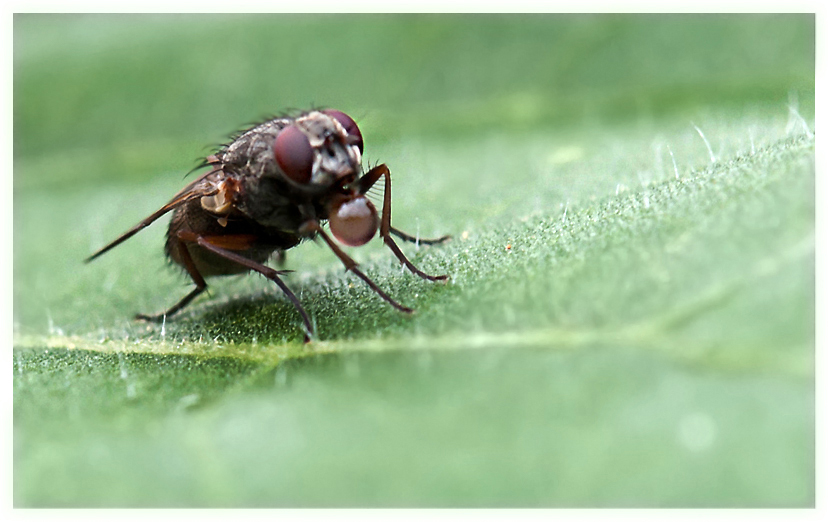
<point>630,315</point>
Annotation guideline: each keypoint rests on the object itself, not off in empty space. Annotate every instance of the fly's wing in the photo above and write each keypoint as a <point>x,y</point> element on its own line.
<point>201,186</point>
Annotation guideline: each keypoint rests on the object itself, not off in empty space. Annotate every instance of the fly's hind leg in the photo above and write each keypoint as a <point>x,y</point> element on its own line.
<point>224,246</point>
<point>198,279</point>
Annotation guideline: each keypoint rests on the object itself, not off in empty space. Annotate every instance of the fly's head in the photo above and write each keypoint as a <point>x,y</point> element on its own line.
<point>322,148</point>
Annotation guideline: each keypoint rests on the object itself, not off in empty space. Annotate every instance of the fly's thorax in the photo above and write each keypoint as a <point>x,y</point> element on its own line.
<point>273,202</point>
<point>251,153</point>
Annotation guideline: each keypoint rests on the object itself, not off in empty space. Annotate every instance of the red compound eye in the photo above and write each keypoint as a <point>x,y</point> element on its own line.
<point>353,220</point>
<point>348,124</point>
<point>294,154</point>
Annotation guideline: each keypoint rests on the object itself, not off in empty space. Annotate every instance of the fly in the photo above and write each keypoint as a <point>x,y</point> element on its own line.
<point>269,189</point>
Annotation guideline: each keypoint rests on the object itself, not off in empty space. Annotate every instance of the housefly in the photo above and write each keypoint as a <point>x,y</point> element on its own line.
<point>273,186</point>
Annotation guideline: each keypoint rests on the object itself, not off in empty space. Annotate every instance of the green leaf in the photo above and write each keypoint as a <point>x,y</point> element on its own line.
<point>629,319</point>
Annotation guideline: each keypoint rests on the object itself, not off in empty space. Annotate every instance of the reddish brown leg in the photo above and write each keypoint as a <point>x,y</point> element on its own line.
<point>239,241</point>
<point>191,269</point>
<point>351,265</point>
<point>422,241</point>
<point>365,183</point>
<point>266,271</point>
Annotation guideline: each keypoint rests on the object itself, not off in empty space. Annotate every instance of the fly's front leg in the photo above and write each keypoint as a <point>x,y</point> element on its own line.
<point>365,183</point>
<point>419,240</point>
<point>350,264</point>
